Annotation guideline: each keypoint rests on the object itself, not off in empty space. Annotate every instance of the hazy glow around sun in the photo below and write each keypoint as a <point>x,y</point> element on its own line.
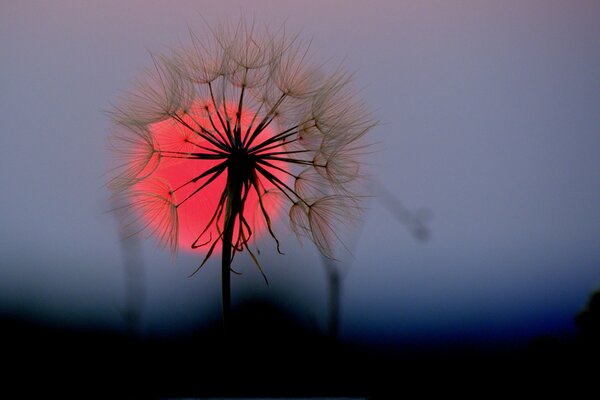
<point>196,211</point>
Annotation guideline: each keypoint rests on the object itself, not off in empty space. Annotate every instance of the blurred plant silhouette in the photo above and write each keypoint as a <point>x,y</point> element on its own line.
<point>336,271</point>
<point>220,137</point>
<point>413,221</point>
<point>134,271</point>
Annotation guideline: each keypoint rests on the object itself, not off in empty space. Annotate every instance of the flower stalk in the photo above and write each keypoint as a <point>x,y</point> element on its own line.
<point>218,139</point>
<point>234,188</point>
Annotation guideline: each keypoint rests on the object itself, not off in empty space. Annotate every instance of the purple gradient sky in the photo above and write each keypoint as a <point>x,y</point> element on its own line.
<point>490,118</point>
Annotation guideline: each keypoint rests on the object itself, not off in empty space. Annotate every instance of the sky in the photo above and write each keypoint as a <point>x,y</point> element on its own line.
<point>488,128</point>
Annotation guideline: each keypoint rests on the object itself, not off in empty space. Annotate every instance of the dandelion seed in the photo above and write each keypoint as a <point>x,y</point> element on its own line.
<point>218,139</point>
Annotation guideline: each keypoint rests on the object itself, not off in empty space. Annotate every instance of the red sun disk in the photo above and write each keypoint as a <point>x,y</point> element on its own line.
<point>196,212</point>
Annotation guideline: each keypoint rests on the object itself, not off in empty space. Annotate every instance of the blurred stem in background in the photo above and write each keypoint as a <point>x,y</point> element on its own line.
<point>335,275</point>
<point>135,286</point>
<point>413,221</point>
<point>133,267</point>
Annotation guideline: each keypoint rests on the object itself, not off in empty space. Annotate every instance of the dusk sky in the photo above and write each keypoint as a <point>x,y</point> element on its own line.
<point>489,127</point>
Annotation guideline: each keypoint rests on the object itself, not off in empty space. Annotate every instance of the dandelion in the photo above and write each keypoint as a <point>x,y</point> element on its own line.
<point>218,139</point>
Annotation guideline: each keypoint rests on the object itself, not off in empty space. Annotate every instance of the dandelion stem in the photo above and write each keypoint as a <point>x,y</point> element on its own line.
<point>226,279</point>
<point>235,183</point>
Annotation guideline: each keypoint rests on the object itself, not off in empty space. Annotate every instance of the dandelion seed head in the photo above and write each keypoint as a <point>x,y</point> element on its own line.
<point>240,124</point>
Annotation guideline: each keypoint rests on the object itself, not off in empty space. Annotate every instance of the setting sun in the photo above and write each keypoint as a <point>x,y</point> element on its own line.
<point>179,177</point>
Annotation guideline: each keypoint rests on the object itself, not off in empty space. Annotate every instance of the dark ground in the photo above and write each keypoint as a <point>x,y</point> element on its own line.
<point>270,356</point>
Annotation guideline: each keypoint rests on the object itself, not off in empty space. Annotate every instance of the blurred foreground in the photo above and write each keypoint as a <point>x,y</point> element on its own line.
<point>270,355</point>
